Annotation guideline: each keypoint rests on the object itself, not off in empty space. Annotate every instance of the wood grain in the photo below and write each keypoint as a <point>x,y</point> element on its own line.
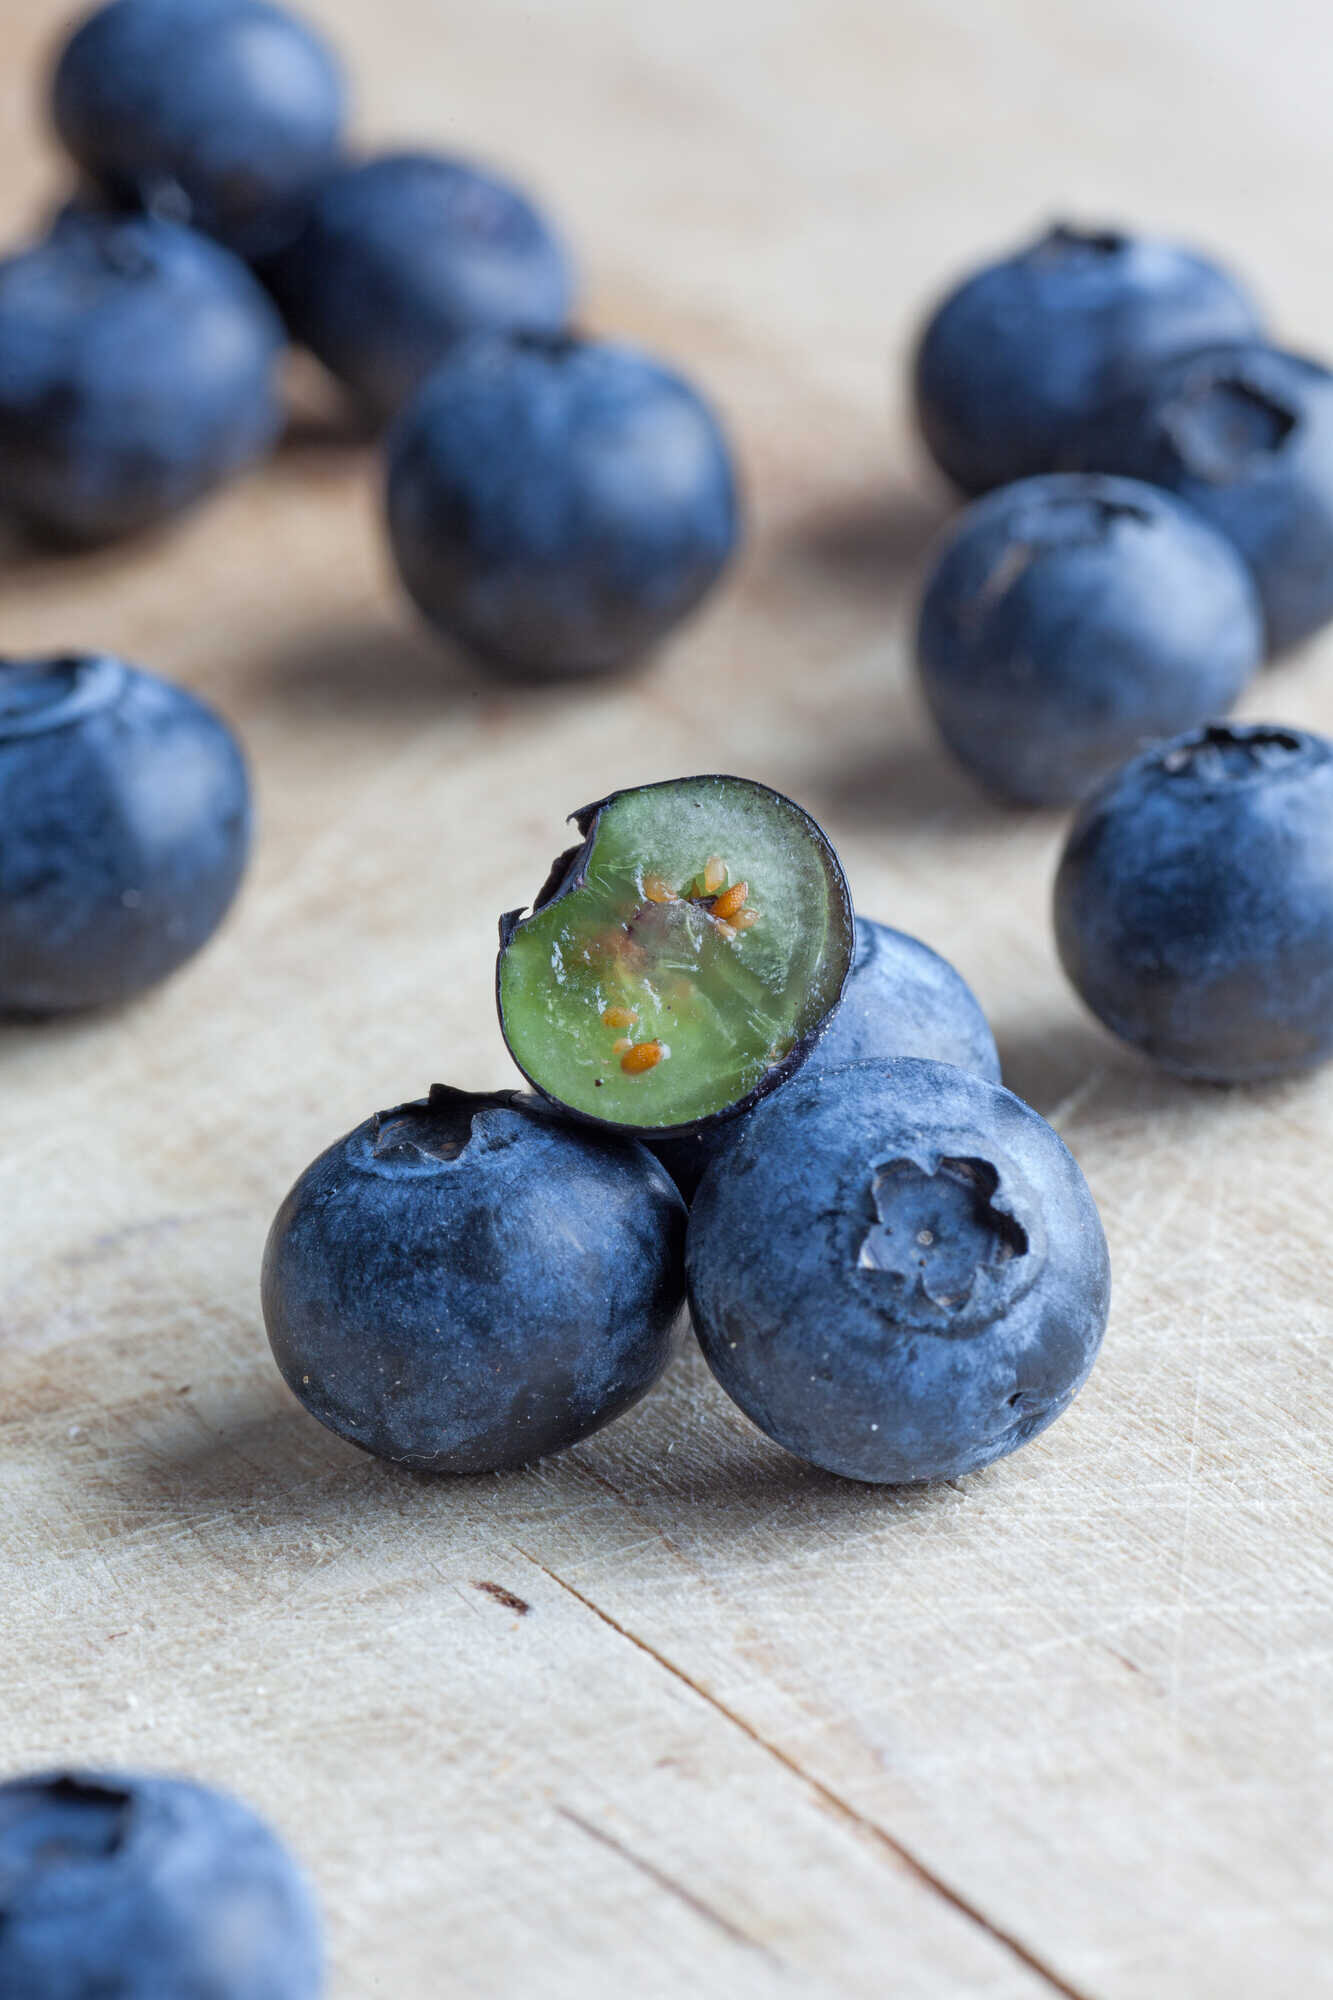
<point>1061,1729</point>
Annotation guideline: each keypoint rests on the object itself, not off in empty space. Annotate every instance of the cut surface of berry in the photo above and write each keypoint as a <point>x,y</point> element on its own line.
<point>682,960</point>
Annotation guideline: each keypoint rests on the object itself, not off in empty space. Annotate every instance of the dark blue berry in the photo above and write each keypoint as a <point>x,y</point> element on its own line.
<point>897,1271</point>
<point>1194,903</point>
<point>1244,433</point>
<point>147,1888</point>
<point>138,369</point>
<point>402,255</point>
<point>219,113</point>
<point>1024,351</point>
<point>1070,620</point>
<point>124,829</point>
<point>901,999</point>
<point>465,1284</point>
<point>558,505</point>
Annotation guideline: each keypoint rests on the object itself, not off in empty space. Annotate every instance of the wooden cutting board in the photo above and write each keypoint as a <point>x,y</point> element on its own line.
<point>673,1714</point>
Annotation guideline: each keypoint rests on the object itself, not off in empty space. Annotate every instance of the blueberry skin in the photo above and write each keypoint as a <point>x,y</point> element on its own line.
<point>465,1283</point>
<point>1072,619</point>
<point>147,1888</point>
<point>1194,903</point>
<point>1244,433</point>
<point>138,369</point>
<point>220,113</point>
<point>401,256</point>
<point>557,505</point>
<point>897,1271</point>
<point>124,830</point>
<point>1025,350</point>
<point>901,999</point>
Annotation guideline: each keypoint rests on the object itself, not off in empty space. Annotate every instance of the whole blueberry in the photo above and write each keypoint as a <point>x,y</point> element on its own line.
<point>124,829</point>
<point>138,369</point>
<point>901,999</point>
<point>147,1888</point>
<point>465,1283</point>
<point>1194,903</point>
<point>1025,350</point>
<point>1069,620</point>
<point>897,1271</point>
<point>402,255</point>
<point>1244,433</point>
<point>220,113</point>
<point>557,505</point>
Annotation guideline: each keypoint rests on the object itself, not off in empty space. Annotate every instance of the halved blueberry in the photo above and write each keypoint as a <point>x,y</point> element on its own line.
<point>681,960</point>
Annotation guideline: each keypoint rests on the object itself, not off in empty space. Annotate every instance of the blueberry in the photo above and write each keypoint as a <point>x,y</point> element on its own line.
<point>557,505</point>
<point>901,999</point>
<point>124,827</point>
<point>147,1888</point>
<point>220,113</point>
<point>681,960</point>
<point>897,1271</point>
<point>1024,351</point>
<point>1070,620</point>
<point>138,369</point>
<point>465,1283</point>
<point>1244,433</point>
<point>1194,903</point>
<point>402,255</point>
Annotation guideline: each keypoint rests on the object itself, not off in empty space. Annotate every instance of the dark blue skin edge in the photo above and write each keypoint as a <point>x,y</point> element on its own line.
<point>1243,433</point>
<point>901,999</point>
<point>468,1283</point>
<point>1022,352</point>
<point>1071,619</point>
<point>148,1887</point>
<point>1194,903</point>
<point>943,1286</point>
<point>567,873</point>
<point>223,114</point>
<point>125,806</point>
<point>402,255</point>
<point>138,370</point>
<point>557,506</point>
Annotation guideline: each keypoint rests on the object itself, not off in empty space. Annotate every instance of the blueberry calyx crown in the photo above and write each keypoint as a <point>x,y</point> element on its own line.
<point>555,343</point>
<point>943,1242</point>
<point>37,695</point>
<point>1239,753</point>
<point>60,1819</point>
<point>1092,516</point>
<point>1083,513</point>
<point>1065,242</point>
<point>1221,420</point>
<point>421,1137</point>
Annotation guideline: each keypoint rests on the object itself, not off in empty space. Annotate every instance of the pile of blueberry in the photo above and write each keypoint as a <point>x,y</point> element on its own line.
<point>893,1266</point>
<point>555,503</point>
<point>744,1096</point>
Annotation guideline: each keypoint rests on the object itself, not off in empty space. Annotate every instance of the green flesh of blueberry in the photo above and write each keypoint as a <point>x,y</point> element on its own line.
<point>649,993</point>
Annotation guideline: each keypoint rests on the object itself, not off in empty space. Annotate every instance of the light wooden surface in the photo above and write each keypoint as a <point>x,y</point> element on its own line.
<point>1062,1729</point>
